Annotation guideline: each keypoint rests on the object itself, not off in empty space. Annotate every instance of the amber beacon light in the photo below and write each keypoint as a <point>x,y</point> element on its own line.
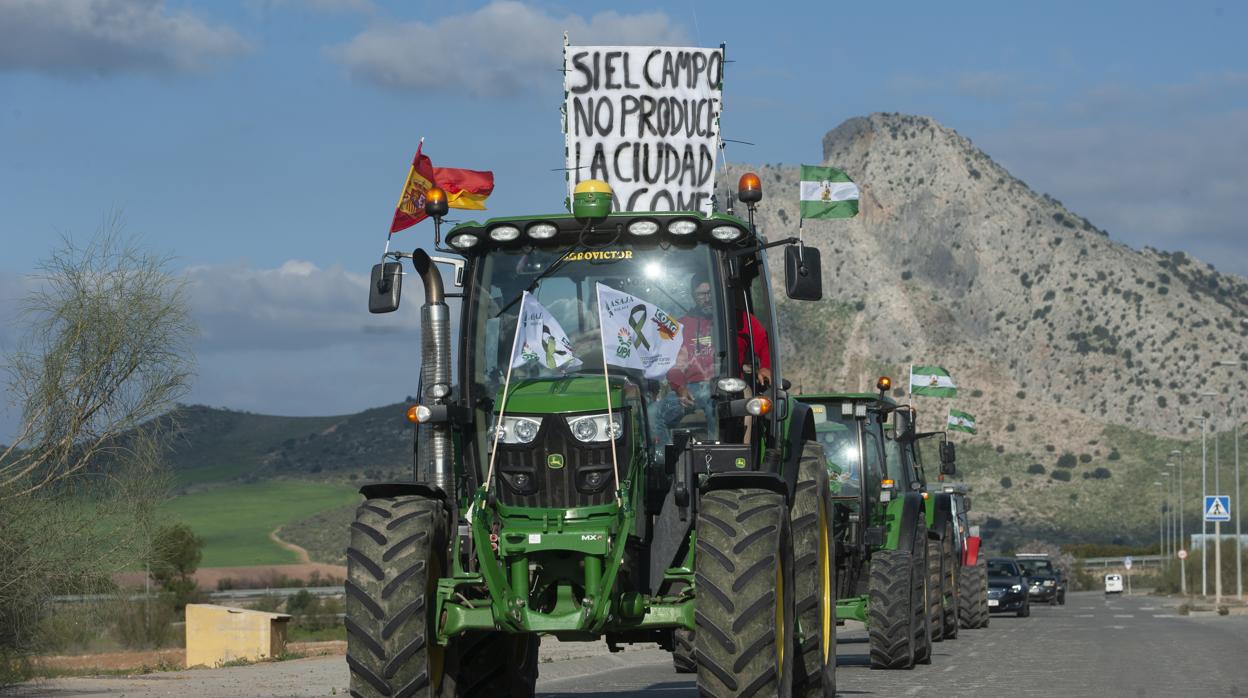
<point>749,188</point>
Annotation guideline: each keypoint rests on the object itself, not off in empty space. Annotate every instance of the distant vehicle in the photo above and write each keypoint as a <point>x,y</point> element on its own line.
<point>1045,582</point>
<point>1007,587</point>
<point>1113,584</point>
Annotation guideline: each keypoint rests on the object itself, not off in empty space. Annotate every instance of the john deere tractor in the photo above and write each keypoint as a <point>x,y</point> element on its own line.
<point>562,491</point>
<point>945,540</point>
<point>884,543</point>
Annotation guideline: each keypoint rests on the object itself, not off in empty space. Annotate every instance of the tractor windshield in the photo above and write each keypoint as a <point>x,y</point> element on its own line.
<point>841,447</point>
<point>565,340</point>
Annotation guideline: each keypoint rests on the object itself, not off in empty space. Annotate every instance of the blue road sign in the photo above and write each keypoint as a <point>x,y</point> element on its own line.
<point>1218,507</point>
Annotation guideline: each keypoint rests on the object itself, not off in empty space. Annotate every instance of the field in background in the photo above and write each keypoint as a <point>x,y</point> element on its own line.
<point>235,520</point>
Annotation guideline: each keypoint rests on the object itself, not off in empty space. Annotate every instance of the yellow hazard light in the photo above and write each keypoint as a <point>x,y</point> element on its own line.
<point>887,483</point>
<point>884,384</point>
<point>411,414</point>
<point>750,188</point>
<point>436,204</point>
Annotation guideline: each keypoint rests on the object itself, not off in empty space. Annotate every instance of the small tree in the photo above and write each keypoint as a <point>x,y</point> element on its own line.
<point>174,557</point>
<point>104,347</point>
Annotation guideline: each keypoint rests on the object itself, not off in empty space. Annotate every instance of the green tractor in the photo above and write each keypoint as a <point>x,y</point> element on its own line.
<point>946,544</point>
<point>888,540</point>
<point>560,491</point>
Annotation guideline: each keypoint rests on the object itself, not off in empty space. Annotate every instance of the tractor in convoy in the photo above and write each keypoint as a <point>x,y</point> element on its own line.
<point>972,580</point>
<point>895,568</point>
<point>561,491</point>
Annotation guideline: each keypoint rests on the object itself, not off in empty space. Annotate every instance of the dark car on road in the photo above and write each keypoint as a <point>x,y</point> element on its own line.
<point>1007,587</point>
<point>1045,582</point>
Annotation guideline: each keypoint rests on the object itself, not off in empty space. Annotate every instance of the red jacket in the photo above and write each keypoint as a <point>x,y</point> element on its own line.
<point>697,352</point>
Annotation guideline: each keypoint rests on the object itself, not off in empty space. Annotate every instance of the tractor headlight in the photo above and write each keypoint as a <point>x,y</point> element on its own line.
<point>518,430</point>
<point>593,428</point>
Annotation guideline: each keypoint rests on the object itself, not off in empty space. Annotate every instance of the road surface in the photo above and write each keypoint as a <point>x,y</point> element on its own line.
<point>1134,646</point>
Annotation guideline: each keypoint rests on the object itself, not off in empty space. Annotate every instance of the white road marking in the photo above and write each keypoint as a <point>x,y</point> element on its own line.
<point>950,668</point>
<point>1148,608</point>
<point>1085,615</point>
<point>1165,615</point>
<point>1117,627</point>
<point>1124,615</point>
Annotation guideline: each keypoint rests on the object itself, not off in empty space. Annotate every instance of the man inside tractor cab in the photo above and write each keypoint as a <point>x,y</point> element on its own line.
<point>691,379</point>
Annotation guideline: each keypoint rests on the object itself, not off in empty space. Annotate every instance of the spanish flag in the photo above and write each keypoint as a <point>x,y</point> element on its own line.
<point>466,189</point>
<point>411,207</point>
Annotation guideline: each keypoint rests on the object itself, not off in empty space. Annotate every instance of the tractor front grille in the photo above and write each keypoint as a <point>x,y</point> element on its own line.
<point>530,477</point>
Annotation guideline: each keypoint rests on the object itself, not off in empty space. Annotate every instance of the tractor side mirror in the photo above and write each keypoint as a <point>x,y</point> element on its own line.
<point>803,278</point>
<point>384,287</point>
<point>948,458</point>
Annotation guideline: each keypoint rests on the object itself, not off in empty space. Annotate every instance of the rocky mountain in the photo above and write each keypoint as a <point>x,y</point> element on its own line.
<point>1062,340</point>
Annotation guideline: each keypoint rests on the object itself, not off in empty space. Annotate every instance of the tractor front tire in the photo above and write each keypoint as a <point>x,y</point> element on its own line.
<point>814,577</point>
<point>890,610</point>
<point>949,574</point>
<point>394,560</point>
<point>935,589</point>
<point>743,642</point>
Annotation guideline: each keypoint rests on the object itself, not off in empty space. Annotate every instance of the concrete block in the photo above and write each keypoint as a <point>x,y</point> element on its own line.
<point>219,634</point>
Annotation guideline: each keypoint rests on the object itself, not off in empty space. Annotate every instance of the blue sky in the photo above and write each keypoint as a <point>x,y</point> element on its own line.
<point>263,142</point>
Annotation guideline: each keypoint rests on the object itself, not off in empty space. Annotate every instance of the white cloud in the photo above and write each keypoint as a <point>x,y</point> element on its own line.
<point>503,48</point>
<point>105,37</point>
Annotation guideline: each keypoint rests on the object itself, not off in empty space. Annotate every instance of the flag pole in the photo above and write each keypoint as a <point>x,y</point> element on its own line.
<point>502,407</point>
<point>606,381</point>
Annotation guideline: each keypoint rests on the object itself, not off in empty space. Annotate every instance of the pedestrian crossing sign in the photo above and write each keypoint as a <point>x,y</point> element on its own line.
<point>1218,507</point>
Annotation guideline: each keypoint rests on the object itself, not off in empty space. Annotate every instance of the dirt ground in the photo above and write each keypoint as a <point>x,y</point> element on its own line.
<point>162,659</point>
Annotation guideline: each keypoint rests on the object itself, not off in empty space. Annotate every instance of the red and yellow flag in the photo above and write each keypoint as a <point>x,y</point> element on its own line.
<point>464,189</point>
<point>411,207</point>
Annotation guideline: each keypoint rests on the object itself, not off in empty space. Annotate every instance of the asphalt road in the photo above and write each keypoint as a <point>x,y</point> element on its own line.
<point>1093,646</point>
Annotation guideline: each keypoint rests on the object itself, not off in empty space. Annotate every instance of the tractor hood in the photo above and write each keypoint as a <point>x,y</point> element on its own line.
<point>564,395</point>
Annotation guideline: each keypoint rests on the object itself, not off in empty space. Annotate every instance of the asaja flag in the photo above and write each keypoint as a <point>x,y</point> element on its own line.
<point>961,421</point>
<point>464,188</point>
<point>827,193</point>
<point>931,381</point>
<point>637,333</point>
<point>411,207</point>
<point>540,338</point>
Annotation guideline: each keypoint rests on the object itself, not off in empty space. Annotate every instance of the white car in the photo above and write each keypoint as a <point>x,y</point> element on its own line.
<point>1113,584</point>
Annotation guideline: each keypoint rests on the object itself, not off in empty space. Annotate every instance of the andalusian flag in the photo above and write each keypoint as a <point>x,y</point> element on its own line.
<point>961,421</point>
<point>931,381</point>
<point>828,193</point>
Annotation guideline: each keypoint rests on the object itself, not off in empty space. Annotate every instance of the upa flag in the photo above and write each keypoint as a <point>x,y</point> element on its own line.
<point>464,188</point>
<point>932,381</point>
<point>827,193</point>
<point>636,333</point>
<point>540,338</point>
<point>961,421</point>
<point>411,207</point>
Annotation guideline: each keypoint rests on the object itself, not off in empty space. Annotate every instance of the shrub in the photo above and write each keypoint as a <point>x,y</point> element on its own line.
<point>1061,475</point>
<point>1006,483</point>
<point>1035,469</point>
<point>1099,474</point>
<point>1113,455</point>
<point>1066,460</point>
<point>1085,458</point>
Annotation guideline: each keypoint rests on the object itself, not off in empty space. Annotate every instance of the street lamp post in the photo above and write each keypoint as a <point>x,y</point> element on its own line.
<point>1182,538</point>
<point>1217,525</point>
<point>1161,516</point>
<point>1235,503</point>
<point>1204,491</point>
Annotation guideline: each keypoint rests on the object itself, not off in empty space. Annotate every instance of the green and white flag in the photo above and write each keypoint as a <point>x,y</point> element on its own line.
<point>828,193</point>
<point>961,421</point>
<point>931,381</point>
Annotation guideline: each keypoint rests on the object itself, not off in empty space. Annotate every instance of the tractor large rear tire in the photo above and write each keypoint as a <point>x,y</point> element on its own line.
<point>490,664</point>
<point>973,588</point>
<point>814,577</point>
<point>891,616</point>
<point>950,567</point>
<point>743,643</point>
<point>394,560</point>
